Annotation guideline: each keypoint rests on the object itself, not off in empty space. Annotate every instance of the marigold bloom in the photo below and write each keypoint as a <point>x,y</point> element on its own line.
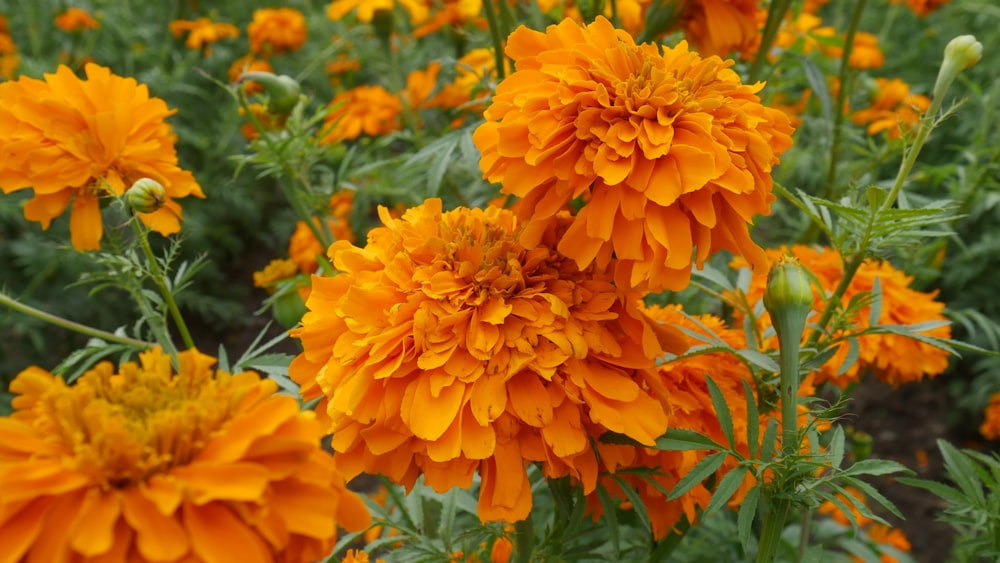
<point>990,428</point>
<point>892,358</point>
<point>454,13</point>
<point>922,7</point>
<point>276,30</point>
<point>74,19</point>
<point>303,248</point>
<point>719,27</point>
<point>681,387</point>
<point>669,150</point>
<point>444,346</point>
<point>371,110</point>
<point>474,72</point>
<point>146,464</point>
<point>895,109</point>
<point>357,556</point>
<point>366,9</point>
<point>73,140</point>
<point>202,32</point>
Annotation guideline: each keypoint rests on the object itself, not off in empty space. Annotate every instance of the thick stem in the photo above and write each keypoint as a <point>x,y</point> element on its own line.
<point>71,325</point>
<point>770,535</point>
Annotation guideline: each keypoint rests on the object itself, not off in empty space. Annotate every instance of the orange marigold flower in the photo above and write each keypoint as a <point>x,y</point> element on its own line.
<point>895,109</point>
<point>147,464</point>
<point>303,248</point>
<point>669,150</point>
<point>78,140</point>
<point>922,7</point>
<point>445,346</point>
<point>371,110</point>
<point>277,270</point>
<point>249,63</point>
<point>358,556</point>
<point>454,13</point>
<point>366,9</point>
<point>719,27</point>
<point>276,30</point>
<point>892,358</point>
<point>865,52</point>
<point>474,72</point>
<point>267,120</point>
<point>201,33</point>
<point>681,387</point>
<point>74,19</point>
<point>990,428</point>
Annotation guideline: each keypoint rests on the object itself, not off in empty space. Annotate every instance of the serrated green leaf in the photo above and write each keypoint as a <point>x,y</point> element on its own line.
<point>638,506</point>
<point>722,413</point>
<point>873,494</point>
<point>770,440</point>
<point>680,439</point>
<point>707,466</point>
<point>874,467</point>
<point>728,486</point>
<point>875,313</point>
<point>611,517</point>
<point>836,447</point>
<point>853,352</point>
<point>753,423</point>
<point>960,470</point>
<point>746,515</point>
<point>760,360</point>
<point>713,275</point>
<point>836,501</point>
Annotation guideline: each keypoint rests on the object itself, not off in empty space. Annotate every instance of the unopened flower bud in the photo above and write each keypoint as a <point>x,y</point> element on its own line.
<point>146,195</point>
<point>788,297</point>
<point>288,309</point>
<point>283,92</point>
<point>964,50</point>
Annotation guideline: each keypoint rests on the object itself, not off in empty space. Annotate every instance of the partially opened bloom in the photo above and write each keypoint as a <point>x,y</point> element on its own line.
<point>75,141</point>
<point>202,32</point>
<point>74,19</point>
<point>151,465</point>
<point>369,110</point>
<point>276,30</point>
<point>671,154</point>
<point>892,358</point>
<point>446,347</point>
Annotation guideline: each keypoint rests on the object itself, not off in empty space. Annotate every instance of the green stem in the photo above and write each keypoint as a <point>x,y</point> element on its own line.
<point>489,10</point>
<point>770,535</point>
<point>775,14</point>
<point>524,539</point>
<point>829,190</point>
<point>70,325</point>
<point>804,533</point>
<point>160,280</point>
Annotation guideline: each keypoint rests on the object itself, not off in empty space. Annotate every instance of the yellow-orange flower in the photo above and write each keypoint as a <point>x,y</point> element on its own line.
<point>669,150</point>
<point>895,109</point>
<point>719,27</point>
<point>202,32</point>
<point>682,388</point>
<point>9,59</point>
<point>453,13</point>
<point>73,140</point>
<point>357,556</point>
<point>74,19</point>
<point>990,428</point>
<point>365,10</point>
<point>150,465</point>
<point>444,346</point>
<point>922,7</point>
<point>303,248</point>
<point>276,271</point>
<point>474,72</point>
<point>892,358</point>
<point>249,63</point>
<point>371,110</point>
<point>276,30</point>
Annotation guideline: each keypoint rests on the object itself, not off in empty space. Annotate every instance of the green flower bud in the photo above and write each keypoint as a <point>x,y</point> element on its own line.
<point>288,308</point>
<point>146,195</point>
<point>964,50</point>
<point>788,297</point>
<point>283,92</point>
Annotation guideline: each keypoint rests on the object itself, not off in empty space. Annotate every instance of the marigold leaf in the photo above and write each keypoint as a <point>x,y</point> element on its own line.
<point>611,517</point>
<point>722,413</point>
<point>960,470</point>
<point>637,505</point>
<point>753,420</point>
<point>680,439</point>
<point>728,486</point>
<point>873,493</point>
<point>746,515</point>
<point>698,473</point>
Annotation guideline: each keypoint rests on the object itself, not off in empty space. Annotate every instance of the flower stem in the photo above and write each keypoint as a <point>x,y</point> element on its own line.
<point>489,10</point>
<point>775,14</point>
<point>770,535</point>
<point>161,283</point>
<point>70,325</point>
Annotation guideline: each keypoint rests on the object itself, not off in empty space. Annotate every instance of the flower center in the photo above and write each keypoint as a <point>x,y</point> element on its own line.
<point>122,429</point>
